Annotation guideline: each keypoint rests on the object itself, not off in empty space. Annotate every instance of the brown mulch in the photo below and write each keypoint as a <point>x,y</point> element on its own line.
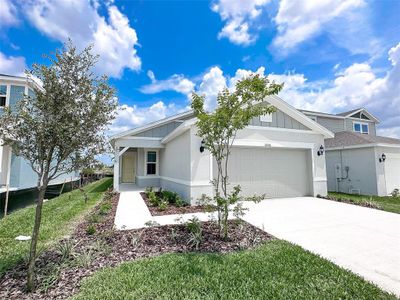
<point>59,279</point>
<point>172,209</point>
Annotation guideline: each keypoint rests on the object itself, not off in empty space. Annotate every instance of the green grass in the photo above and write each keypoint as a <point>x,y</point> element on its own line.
<point>387,203</point>
<point>276,270</point>
<point>58,217</point>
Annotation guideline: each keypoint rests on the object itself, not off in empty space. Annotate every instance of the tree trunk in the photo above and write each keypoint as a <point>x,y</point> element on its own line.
<point>35,237</point>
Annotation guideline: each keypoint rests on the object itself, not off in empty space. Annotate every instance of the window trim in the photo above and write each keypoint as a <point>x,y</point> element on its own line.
<point>146,162</point>
<point>361,125</point>
<point>8,87</point>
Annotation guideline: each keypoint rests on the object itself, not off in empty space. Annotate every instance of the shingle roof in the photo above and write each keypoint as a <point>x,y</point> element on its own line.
<point>348,138</point>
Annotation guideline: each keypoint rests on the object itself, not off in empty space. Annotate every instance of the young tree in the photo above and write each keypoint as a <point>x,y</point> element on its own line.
<point>61,129</point>
<point>218,130</point>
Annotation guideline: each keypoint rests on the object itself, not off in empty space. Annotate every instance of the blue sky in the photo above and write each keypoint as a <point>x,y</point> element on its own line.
<point>333,55</point>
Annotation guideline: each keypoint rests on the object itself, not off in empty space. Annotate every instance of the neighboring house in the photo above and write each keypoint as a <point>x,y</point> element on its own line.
<point>14,170</point>
<point>278,155</point>
<point>357,160</point>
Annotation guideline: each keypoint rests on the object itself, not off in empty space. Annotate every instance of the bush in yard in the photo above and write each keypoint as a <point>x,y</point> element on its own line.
<point>91,229</point>
<point>196,232</point>
<point>153,198</point>
<point>171,197</point>
<point>218,131</point>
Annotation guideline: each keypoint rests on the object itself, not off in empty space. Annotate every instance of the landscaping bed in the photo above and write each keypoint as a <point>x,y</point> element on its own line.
<point>95,244</point>
<point>169,207</point>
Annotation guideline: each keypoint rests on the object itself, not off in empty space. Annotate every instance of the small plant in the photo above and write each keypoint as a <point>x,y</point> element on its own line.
<point>50,279</point>
<point>84,259</point>
<point>196,232</point>
<point>65,249</point>
<point>169,196</point>
<point>105,208</point>
<point>101,246</point>
<point>91,229</point>
<point>179,202</point>
<point>148,190</point>
<point>163,205</point>
<point>153,199</point>
<point>174,235</point>
<point>395,193</point>
<point>94,218</point>
<point>135,239</point>
<point>151,223</point>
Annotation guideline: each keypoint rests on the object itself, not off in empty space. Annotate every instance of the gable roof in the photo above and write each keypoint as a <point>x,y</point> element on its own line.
<point>151,125</point>
<point>349,138</point>
<point>342,115</point>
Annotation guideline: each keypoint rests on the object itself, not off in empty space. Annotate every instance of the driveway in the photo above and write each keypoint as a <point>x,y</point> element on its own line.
<point>364,240</point>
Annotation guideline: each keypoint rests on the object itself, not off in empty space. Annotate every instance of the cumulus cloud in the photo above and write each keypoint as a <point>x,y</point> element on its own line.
<point>177,82</point>
<point>8,13</point>
<point>12,65</point>
<point>298,21</point>
<point>212,83</point>
<point>238,15</point>
<point>113,37</point>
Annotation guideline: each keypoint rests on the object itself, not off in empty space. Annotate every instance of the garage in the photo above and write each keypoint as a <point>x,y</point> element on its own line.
<point>277,173</point>
<point>392,171</point>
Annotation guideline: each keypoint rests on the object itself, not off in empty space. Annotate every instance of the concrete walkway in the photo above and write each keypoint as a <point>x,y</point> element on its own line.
<point>363,240</point>
<point>132,212</point>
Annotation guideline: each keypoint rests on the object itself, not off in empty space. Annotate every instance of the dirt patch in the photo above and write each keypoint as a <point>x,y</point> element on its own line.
<point>171,209</point>
<point>59,277</point>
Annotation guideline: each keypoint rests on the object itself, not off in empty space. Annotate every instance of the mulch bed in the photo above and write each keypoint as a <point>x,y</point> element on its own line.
<point>172,209</point>
<point>364,203</point>
<point>108,247</point>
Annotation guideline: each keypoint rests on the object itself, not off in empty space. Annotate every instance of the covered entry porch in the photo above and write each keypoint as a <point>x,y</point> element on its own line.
<point>137,162</point>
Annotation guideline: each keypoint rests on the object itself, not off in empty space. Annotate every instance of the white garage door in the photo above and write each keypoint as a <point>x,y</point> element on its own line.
<point>273,172</point>
<point>392,172</point>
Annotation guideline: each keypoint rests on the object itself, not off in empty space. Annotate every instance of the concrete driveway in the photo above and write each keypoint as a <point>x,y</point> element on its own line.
<point>364,240</point>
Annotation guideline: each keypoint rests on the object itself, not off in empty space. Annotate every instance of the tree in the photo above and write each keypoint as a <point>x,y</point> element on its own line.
<point>60,129</point>
<point>218,130</point>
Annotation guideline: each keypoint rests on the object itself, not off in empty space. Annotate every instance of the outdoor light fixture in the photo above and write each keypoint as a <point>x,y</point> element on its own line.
<point>320,151</point>
<point>382,158</point>
<point>202,147</point>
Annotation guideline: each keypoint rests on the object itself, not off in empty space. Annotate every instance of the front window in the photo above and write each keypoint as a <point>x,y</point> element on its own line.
<point>361,128</point>
<point>3,95</point>
<point>151,163</point>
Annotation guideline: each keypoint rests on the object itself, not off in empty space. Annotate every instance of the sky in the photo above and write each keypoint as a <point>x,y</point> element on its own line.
<point>332,55</point>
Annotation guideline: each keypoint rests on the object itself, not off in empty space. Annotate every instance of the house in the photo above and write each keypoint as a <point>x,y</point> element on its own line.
<point>279,155</point>
<point>14,170</point>
<point>357,159</point>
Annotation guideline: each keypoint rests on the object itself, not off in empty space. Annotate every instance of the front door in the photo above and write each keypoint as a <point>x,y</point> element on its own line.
<point>128,167</point>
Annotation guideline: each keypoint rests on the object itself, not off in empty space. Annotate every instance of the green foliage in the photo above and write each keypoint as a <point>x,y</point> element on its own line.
<point>179,202</point>
<point>148,190</point>
<point>218,131</point>
<point>196,232</point>
<point>84,259</point>
<point>153,199</point>
<point>105,208</point>
<point>275,270</point>
<point>163,205</point>
<point>65,249</point>
<point>169,196</point>
<point>91,229</point>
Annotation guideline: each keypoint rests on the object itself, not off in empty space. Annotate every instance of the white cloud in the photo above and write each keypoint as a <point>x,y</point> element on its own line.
<point>12,65</point>
<point>129,117</point>
<point>238,16</point>
<point>176,82</point>
<point>299,20</point>
<point>113,38</point>
<point>212,83</point>
<point>8,13</point>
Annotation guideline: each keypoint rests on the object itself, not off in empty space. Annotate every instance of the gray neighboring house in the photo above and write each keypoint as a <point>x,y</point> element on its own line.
<point>276,155</point>
<point>358,160</point>
<point>15,171</point>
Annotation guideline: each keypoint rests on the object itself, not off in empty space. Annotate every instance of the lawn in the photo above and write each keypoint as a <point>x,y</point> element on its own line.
<point>388,203</point>
<point>275,270</point>
<point>59,216</point>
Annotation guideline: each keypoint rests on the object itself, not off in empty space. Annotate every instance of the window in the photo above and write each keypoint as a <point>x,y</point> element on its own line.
<point>3,95</point>
<point>361,127</point>
<point>151,163</point>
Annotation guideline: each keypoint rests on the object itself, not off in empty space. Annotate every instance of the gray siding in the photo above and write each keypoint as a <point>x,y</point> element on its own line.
<point>334,125</point>
<point>280,120</point>
<point>372,127</point>
<point>160,131</point>
<point>362,172</point>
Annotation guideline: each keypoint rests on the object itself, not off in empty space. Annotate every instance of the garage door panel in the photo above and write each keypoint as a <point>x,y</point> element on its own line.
<point>274,172</point>
<point>392,172</point>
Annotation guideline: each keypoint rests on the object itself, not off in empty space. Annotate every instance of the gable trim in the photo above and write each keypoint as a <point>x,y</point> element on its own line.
<point>298,116</point>
<point>366,112</point>
<point>152,125</point>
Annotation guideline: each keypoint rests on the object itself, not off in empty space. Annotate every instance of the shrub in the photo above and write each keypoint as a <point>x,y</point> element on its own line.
<point>169,196</point>
<point>105,208</point>
<point>84,259</point>
<point>153,199</point>
<point>196,232</point>
<point>65,249</point>
<point>148,190</point>
<point>179,202</point>
<point>90,230</point>
<point>163,204</point>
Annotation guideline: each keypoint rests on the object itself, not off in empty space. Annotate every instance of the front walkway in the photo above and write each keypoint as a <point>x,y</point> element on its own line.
<point>364,240</point>
<point>132,212</point>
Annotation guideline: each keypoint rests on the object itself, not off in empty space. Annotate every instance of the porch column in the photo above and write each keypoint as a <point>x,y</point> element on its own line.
<point>116,169</point>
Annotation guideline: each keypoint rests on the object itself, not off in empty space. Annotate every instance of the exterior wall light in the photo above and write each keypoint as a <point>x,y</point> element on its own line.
<point>382,158</point>
<point>202,147</point>
<point>321,151</point>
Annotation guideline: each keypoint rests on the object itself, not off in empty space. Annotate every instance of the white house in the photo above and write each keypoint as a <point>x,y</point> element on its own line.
<point>280,155</point>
